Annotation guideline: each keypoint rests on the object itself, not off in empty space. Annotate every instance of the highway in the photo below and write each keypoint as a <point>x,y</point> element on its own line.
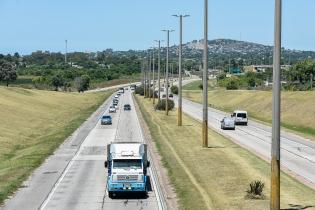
<point>297,153</point>
<point>75,177</point>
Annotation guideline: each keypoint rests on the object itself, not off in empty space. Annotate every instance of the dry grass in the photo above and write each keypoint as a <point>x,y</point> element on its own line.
<point>217,177</point>
<point>33,124</point>
<point>297,108</point>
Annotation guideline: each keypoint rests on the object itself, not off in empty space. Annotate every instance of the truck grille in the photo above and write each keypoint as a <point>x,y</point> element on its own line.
<point>127,177</point>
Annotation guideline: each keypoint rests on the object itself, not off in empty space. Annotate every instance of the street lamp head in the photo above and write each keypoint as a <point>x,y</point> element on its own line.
<point>181,16</point>
<point>168,30</point>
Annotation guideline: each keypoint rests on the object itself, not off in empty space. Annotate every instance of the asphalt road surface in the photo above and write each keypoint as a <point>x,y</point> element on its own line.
<point>297,153</point>
<point>75,177</point>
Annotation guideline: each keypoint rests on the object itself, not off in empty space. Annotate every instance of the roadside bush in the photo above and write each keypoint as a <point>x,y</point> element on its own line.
<point>255,190</point>
<point>200,86</point>
<point>174,89</point>
<point>162,105</point>
<point>139,90</point>
<point>233,83</point>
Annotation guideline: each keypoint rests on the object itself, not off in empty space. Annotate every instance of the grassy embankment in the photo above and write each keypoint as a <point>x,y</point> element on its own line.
<point>297,108</point>
<point>33,124</point>
<point>217,177</point>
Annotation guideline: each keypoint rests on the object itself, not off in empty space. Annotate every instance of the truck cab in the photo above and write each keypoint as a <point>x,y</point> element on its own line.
<point>127,168</point>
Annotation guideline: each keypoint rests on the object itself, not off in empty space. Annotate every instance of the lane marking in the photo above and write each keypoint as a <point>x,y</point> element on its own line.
<point>50,195</point>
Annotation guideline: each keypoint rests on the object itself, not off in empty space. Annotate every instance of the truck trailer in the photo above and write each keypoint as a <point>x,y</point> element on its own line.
<point>127,165</point>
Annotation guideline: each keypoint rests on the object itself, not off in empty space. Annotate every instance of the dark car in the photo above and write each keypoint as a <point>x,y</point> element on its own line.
<point>106,120</point>
<point>171,95</point>
<point>127,107</point>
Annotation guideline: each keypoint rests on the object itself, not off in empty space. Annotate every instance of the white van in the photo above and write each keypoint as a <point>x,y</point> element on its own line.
<point>240,117</point>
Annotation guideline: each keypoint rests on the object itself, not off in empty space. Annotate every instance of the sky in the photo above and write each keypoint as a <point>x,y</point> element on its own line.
<point>95,25</point>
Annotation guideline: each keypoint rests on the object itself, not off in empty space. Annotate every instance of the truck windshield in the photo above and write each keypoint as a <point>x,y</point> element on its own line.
<point>127,164</point>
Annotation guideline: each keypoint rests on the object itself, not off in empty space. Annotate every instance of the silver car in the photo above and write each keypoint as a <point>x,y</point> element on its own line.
<point>228,123</point>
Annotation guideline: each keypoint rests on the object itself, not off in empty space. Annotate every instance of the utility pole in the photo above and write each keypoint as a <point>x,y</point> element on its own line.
<point>276,100</point>
<point>205,78</point>
<point>145,79</point>
<point>66,51</point>
<point>153,78</point>
<point>159,69</point>
<point>179,111</point>
<point>149,75</point>
<point>311,81</point>
<point>172,73</point>
<point>142,73</point>
<point>166,77</point>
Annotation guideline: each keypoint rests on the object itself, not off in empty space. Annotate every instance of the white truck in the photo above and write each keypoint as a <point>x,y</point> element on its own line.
<point>240,117</point>
<point>127,165</point>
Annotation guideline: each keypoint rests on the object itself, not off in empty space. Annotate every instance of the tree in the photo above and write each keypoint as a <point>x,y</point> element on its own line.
<point>233,83</point>
<point>7,72</point>
<point>57,81</point>
<point>174,89</point>
<point>82,83</point>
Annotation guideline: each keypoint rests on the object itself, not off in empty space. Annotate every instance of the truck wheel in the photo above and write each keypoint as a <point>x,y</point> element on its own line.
<point>110,194</point>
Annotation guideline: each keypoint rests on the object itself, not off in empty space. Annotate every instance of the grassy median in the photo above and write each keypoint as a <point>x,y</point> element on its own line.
<point>297,108</point>
<point>216,177</point>
<point>33,124</point>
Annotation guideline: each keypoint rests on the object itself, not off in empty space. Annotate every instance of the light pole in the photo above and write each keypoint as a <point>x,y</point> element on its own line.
<point>179,111</point>
<point>276,94</point>
<point>66,51</point>
<point>153,71</point>
<point>145,79</point>
<point>149,75</point>
<point>159,68</point>
<point>205,78</point>
<point>142,73</point>
<point>167,54</point>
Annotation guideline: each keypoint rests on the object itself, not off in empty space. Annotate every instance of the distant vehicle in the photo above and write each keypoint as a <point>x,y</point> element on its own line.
<point>121,90</point>
<point>133,87</point>
<point>227,123</point>
<point>127,165</point>
<point>106,120</point>
<point>116,96</point>
<point>112,109</point>
<point>240,117</point>
<point>127,107</point>
<point>164,96</point>
<point>115,103</point>
<point>170,95</point>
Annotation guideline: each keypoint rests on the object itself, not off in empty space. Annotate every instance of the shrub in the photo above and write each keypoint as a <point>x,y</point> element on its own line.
<point>255,190</point>
<point>139,90</point>
<point>233,83</point>
<point>174,89</point>
<point>162,104</point>
<point>200,86</point>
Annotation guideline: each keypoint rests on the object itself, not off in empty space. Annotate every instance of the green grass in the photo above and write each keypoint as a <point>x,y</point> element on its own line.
<point>297,108</point>
<point>34,124</point>
<point>22,81</point>
<point>196,85</point>
<point>217,177</point>
<point>123,80</point>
